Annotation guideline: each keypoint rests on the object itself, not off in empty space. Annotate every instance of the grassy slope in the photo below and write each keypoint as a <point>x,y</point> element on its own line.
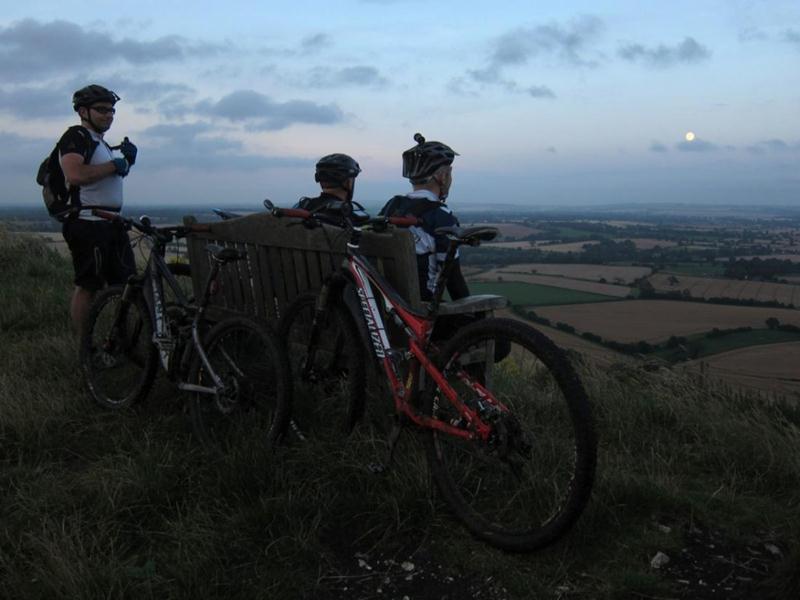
<point>100,504</point>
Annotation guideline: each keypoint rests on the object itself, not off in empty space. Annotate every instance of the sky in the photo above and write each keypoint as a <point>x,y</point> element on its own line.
<point>548,104</point>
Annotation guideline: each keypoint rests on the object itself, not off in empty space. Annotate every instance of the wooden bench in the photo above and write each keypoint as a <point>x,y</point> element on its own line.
<point>286,259</point>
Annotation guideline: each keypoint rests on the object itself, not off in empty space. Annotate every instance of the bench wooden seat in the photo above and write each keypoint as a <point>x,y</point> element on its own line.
<point>286,259</point>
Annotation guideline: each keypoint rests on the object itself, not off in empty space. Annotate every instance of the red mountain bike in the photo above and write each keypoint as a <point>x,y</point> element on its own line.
<point>510,438</point>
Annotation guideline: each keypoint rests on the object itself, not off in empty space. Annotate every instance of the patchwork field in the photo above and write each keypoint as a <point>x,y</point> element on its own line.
<point>656,320</point>
<point>791,257</point>
<point>606,289</point>
<point>508,230</point>
<point>531,294</point>
<point>772,367</point>
<point>649,243</point>
<point>570,247</point>
<point>612,274</point>
<point>518,245</point>
<point>706,287</point>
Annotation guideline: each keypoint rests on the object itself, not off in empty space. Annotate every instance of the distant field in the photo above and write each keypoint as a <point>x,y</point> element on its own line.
<point>509,230</point>
<point>772,367</point>
<point>529,294</point>
<point>611,273</point>
<point>699,269</point>
<point>511,275</point>
<point>706,287</point>
<point>656,320</point>
<point>709,346</point>
<point>791,257</point>
<point>648,243</point>
<point>571,247</point>
<point>518,245</point>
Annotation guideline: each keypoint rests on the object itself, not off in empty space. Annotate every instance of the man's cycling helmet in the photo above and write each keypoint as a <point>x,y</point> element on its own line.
<point>424,159</point>
<point>336,169</point>
<point>92,94</point>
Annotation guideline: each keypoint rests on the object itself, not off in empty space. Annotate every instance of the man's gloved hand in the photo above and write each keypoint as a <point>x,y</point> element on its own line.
<point>128,151</point>
<point>122,166</point>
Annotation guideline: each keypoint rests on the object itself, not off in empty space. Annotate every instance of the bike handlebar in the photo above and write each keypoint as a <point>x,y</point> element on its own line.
<point>376,222</point>
<point>164,234</point>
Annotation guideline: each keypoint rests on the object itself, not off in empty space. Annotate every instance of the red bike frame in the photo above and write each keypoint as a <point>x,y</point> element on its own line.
<point>418,329</point>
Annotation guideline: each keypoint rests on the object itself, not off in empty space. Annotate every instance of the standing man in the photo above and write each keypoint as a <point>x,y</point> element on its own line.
<point>429,167</point>
<point>101,251</point>
<point>336,175</point>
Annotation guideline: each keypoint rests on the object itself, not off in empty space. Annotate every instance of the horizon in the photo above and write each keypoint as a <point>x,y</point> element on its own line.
<point>571,105</point>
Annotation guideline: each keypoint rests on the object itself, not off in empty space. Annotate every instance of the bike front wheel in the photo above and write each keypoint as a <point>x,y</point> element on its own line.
<point>256,396</point>
<point>527,482</point>
<point>117,355</point>
<point>327,364</point>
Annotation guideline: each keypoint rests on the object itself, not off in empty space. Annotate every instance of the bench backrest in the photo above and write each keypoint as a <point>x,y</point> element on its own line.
<point>285,259</point>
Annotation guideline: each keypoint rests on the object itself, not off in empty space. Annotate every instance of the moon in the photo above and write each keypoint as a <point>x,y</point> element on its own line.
<point>689,136</point>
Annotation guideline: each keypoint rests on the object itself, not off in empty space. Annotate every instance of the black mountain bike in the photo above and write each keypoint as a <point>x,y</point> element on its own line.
<point>236,370</point>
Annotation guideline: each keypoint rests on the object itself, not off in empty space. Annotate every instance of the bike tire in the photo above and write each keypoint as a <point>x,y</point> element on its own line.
<point>525,486</point>
<point>251,362</point>
<point>330,397</point>
<point>118,363</point>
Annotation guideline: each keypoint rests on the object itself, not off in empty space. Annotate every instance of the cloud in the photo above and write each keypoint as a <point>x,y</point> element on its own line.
<point>316,42</point>
<point>791,36</point>
<point>774,145</point>
<point>360,76</point>
<point>263,113</point>
<point>687,52</point>
<point>540,91</point>
<point>752,34</point>
<point>30,49</point>
<point>658,147</point>
<point>569,43</point>
<point>696,145</point>
<point>551,150</point>
<point>192,146</point>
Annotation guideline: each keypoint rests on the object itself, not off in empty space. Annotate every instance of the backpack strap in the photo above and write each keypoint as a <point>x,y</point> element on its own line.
<point>74,191</point>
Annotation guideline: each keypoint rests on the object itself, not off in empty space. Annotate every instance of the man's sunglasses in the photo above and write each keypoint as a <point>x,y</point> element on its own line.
<point>104,110</point>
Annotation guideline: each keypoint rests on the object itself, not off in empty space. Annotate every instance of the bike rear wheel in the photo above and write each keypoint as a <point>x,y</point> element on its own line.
<point>117,355</point>
<point>329,374</point>
<point>527,484</point>
<point>257,396</point>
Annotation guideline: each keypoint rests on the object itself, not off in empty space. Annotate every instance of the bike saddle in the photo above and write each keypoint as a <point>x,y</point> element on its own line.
<point>223,254</point>
<point>468,235</point>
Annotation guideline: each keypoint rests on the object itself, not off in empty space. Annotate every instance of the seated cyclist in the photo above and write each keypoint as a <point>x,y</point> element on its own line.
<point>429,167</point>
<point>336,175</point>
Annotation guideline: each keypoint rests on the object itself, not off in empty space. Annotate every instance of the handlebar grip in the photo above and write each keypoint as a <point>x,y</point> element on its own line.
<point>299,213</point>
<point>404,221</point>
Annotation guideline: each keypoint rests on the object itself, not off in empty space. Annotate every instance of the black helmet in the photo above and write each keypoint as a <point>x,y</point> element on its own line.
<point>424,159</point>
<point>92,94</point>
<point>336,169</point>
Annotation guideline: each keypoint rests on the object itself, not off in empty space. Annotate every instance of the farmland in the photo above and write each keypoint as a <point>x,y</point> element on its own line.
<point>499,276</point>
<point>531,294</point>
<point>602,273</point>
<point>771,368</point>
<point>656,320</point>
<point>704,287</point>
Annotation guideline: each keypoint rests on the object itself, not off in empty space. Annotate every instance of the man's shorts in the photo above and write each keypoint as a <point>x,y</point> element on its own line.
<point>101,253</point>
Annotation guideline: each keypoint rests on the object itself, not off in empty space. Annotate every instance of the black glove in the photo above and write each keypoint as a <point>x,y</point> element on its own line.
<point>122,167</point>
<point>128,151</point>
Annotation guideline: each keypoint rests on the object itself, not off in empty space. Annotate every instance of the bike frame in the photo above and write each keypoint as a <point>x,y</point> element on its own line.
<point>417,329</point>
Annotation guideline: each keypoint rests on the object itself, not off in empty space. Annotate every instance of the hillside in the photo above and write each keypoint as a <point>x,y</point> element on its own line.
<point>127,505</point>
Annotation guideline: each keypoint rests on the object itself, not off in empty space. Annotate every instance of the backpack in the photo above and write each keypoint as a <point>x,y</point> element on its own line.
<point>62,201</point>
<point>402,206</point>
